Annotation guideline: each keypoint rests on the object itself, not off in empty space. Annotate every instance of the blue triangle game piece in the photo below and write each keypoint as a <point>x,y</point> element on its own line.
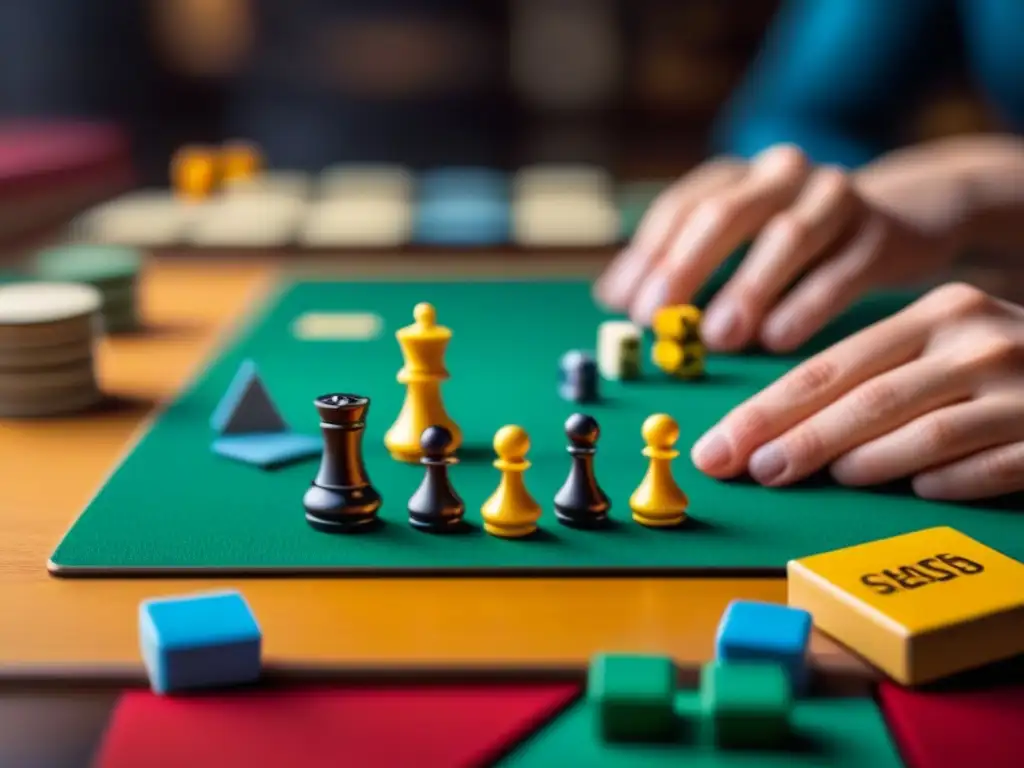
<point>268,450</point>
<point>246,407</point>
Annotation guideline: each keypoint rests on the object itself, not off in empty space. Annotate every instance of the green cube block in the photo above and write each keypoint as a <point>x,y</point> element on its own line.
<point>633,696</point>
<point>746,705</point>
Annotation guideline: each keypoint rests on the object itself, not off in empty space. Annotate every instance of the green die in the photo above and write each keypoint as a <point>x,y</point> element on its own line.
<point>746,705</point>
<point>633,696</point>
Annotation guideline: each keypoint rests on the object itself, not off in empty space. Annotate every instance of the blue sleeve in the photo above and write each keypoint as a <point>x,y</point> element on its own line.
<point>836,77</point>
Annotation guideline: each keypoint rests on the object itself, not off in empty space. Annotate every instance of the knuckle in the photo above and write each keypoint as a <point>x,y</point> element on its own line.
<point>786,159</point>
<point>1003,465</point>
<point>717,214</point>
<point>877,397</point>
<point>999,351</point>
<point>789,231</point>
<point>959,300</point>
<point>751,425</point>
<point>805,446</point>
<point>833,182</point>
<point>938,432</point>
<point>812,378</point>
<point>748,293</point>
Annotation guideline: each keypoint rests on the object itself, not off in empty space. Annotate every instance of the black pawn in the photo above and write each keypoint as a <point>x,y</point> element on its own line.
<point>435,506</point>
<point>581,503</point>
<point>341,499</point>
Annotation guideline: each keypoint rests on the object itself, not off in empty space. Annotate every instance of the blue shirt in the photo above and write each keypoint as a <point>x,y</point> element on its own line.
<point>840,77</point>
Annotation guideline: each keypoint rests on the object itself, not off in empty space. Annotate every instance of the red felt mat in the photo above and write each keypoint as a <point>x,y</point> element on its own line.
<point>957,729</point>
<point>383,727</point>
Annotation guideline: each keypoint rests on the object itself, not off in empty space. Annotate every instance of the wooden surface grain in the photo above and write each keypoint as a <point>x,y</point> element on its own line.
<point>54,627</point>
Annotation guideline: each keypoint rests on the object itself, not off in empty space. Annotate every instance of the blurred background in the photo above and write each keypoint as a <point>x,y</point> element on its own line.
<point>631,84</point>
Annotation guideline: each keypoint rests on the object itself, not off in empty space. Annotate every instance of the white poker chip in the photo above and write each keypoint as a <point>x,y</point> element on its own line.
<point>41,303</point>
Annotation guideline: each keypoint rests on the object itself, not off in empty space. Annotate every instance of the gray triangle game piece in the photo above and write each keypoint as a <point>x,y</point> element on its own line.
<point>246,407</point>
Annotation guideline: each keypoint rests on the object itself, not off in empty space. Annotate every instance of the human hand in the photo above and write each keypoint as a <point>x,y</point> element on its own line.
<point>821,238</point>
<point>935,393</point>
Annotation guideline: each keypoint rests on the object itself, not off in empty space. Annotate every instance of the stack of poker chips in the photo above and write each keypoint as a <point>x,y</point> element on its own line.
<point>678,349</point>
<point>48,333</point>
<point>112,270</point>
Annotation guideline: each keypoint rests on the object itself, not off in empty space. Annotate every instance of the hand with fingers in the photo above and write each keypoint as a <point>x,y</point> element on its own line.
<point>821,237</point>
<point>934,393</point>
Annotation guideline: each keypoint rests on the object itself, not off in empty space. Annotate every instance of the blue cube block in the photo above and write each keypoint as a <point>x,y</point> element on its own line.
<point>753,631</point>
<point>458,221</point>
<point>464,182</point>
<point>199,641</point>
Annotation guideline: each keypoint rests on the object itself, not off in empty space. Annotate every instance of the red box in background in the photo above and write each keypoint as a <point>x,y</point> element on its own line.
<point>50,171</point>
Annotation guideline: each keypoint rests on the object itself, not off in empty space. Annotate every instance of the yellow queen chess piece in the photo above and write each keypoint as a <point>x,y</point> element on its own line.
<point>511,512</point>
<point>423,347</point>
<point>658,502</point>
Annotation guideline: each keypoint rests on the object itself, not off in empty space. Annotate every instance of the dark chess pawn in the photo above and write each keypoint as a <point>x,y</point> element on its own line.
<point>435,506</point>
<point>581,503</point>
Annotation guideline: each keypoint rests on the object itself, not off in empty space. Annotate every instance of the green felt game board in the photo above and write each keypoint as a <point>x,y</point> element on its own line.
<point>846,733</point>
<point>174,506</point>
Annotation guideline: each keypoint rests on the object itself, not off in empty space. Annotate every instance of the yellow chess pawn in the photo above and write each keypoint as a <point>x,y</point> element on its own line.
<point>240,161</point>
<point>658,502</point>
<point>194,172</point>
<point>511,512</point>
<point>423,346</point>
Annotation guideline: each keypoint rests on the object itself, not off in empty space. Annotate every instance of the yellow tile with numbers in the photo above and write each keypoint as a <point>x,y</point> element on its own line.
<point>920,606</point>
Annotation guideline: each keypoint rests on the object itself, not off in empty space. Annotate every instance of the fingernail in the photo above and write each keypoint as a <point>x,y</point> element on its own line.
<point>721,324</point>
<point>649,299</point>
<point>927,487</point>
<point>712,452</point>
<point>779,333</point>
<point>767,464</point>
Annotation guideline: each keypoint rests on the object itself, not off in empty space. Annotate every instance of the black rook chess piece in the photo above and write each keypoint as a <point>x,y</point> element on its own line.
<point>435,506</point>
<point>580,503</point>
<point>341,499</point>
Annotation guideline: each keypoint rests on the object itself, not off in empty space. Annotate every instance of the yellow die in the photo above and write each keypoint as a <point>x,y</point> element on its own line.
<point>685,361</point>
<point>679,323</point>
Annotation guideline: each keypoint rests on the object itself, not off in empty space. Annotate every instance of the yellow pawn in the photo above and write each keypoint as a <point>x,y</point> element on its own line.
<point>658,501</point>
<point>511,512</point>
<point>193,172</point>
<point>240,161</point>
<point>423,346</point>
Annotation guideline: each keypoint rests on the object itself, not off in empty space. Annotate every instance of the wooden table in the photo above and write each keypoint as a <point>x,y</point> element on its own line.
<point>54,627</point>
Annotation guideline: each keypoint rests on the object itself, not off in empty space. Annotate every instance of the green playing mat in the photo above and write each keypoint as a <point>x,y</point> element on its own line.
<point>175,506</point>
<point>846,733</point>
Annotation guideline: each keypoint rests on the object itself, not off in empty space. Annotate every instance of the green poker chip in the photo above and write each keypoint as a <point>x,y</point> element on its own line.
<point>88,263</point>
<point>8,277</point>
